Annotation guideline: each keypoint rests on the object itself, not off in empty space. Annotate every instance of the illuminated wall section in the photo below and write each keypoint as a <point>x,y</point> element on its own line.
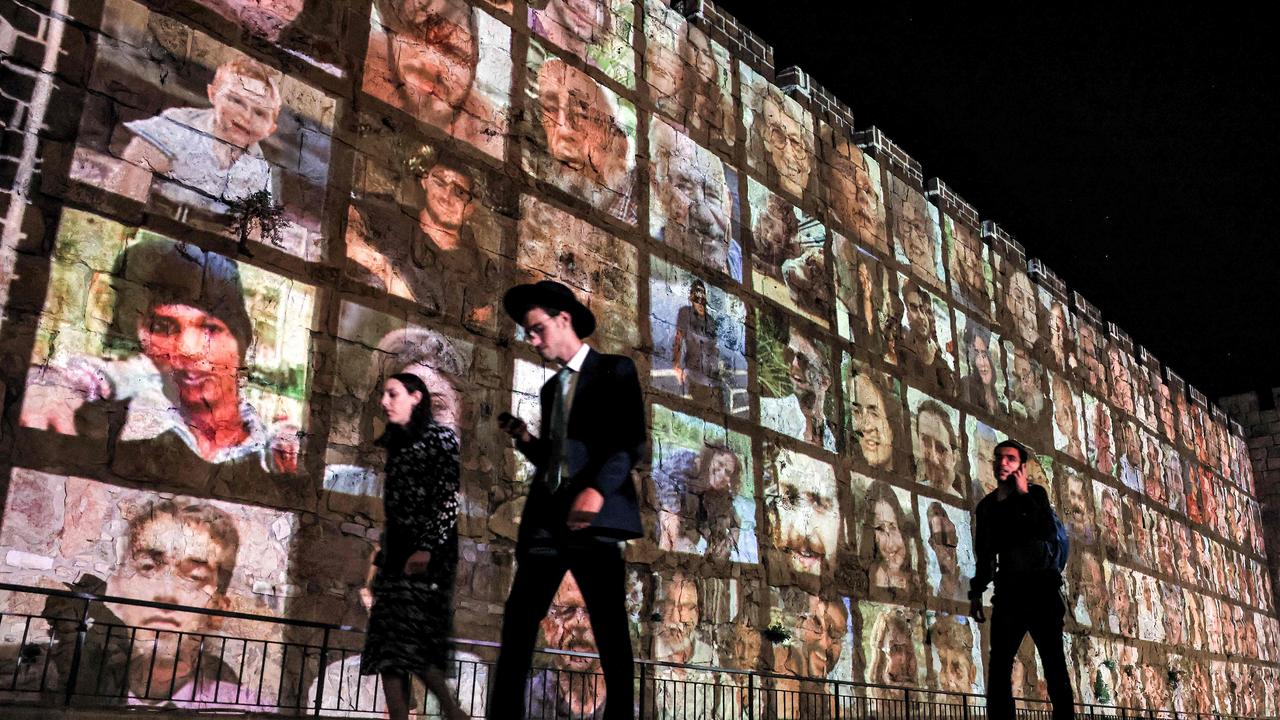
<point>831,346</point>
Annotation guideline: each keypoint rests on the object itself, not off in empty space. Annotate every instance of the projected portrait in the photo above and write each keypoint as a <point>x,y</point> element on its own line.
<point>1129,455</point>
<point>598,32</point>
<point>1088,591</point>
<point>795,376</point>
<point>690,77</point>
<point>1100,442</point>
<point>1068,430</point>
<point>79,534</point>
<point>866,311</point>
<point>955,663</point>
<point>694,201</point>
<point>1078,512</point>
<point>1060,349</point>
<point>927,346</point>
<point>427,226</point>
<point>206,133</point>
<point>1119,378</point>
<point>968,257</point>
<point>948,542</point>
<point>854,196</point>
<point>304,28</point>
<point>699,339</point>
<point>703,488</point>
<point>1089,352</point>
<point>1018,311</point>
<point>372,346</point>
<point>569,685</point>
<point>600,268</point>
<point>789,264</point>
<point>185,359</point>
<point>779,134</point>
<point>935,442</point>
<point>1144,396</point>
<point>917,236</point>
<point>887,537</point>
<point>1110,521</point>
<point>981,366</point>
<point>1150,609</point>
<point>892,644</point>
<point>1026,389</point>
<point>819,646</point>
<point>446,64</point>
<point>1122,612</point>
<point>873,414</point>
<point>802,513</point>
<point>581,136</point>
<point>982,441</point>
<point>679,636</point>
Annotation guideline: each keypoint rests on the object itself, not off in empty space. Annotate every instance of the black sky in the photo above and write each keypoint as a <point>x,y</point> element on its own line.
<point>1129,149</point>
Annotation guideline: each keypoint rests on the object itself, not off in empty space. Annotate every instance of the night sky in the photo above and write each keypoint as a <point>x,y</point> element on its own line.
<point>1130,151</point>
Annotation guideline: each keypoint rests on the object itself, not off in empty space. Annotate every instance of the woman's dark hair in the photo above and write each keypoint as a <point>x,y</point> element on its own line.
<point>396,436</point>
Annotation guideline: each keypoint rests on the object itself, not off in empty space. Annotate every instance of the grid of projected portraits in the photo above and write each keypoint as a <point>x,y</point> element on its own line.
<point>271,208</point>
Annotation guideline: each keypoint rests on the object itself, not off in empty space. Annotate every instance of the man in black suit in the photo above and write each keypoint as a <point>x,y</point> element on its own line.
<point>582,502</point>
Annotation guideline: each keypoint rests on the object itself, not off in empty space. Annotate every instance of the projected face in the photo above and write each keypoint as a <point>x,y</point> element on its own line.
<point>435,59</point>
<point>575,116</point>
<point>694,198</point>
<point>245,107</point>
<point>788,140</point>
<point>870,414</point>
<point>196,351</point>
<point>182,556</point>
<point>679,609</point>
<point>1020,303</point>
<point>567,626</point>
<point>571,24</point>
<point>808,521</point>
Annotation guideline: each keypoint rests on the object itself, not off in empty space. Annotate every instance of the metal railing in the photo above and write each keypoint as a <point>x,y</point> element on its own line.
<point>75,650</point>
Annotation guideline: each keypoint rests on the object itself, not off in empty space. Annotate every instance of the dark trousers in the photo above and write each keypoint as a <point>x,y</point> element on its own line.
<point>1039,612</point>
<point>601,575</point>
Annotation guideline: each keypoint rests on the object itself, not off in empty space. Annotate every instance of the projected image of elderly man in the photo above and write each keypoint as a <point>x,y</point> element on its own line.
<point>181,313</point>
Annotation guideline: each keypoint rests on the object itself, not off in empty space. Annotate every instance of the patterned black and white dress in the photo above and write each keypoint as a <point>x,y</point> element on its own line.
<point>412,616</point>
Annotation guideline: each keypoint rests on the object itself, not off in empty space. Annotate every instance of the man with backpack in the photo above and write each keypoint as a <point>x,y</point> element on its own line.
<point>1023,546</point>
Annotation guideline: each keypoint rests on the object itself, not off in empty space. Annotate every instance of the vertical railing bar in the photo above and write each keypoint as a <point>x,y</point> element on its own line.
<point>200,659</point>
<point>128,662</point>
<point>284,657</point>
<point>173,677</point>
<point>302,675</point>
<point>26,630</point>
<point>106,645</point>
<point>155,643</point>
<point>82,631</point>
<point>262,676</point>
<point>323,665</point>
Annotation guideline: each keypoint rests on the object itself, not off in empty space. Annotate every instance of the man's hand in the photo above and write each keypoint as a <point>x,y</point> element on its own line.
<point>515,427</point>
<point>1020,479</point>
<point>417,563</point>
<point>585,507</point>
<point>976,612</point>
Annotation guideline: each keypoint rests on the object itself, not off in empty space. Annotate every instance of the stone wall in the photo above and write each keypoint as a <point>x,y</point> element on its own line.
<point>236,218</point>
<point>1260,421</point>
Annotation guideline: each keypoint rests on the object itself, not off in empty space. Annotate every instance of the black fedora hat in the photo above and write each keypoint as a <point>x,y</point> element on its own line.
<point>551,295</point>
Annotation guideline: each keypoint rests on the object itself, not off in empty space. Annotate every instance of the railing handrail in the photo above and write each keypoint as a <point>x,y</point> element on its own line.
<point>90,597</point>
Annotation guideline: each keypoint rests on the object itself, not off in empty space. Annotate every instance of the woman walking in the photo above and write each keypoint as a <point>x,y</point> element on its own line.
<point>412,613</point>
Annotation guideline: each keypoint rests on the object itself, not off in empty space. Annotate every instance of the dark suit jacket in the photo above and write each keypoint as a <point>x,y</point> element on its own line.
<point>606,435</point>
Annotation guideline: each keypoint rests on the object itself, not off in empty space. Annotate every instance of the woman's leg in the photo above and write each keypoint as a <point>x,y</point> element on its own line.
<point>439,686</point>
<point>395,686</point>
